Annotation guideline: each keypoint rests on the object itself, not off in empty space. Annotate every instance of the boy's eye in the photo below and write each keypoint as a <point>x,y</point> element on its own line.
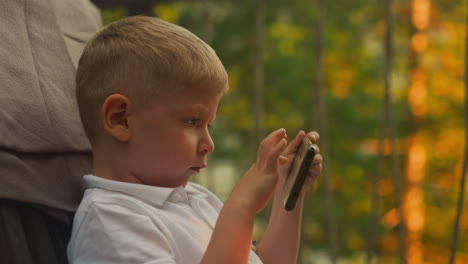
<point>193,121</point>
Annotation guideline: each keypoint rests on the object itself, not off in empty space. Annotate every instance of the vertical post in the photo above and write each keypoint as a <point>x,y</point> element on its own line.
<point>205,21</point>
<point>141,8</point>
<point>259,72</point>
<point>461,190</point>
<point>396,175</point>
<point>371,238</point>
<point>206,36</point>
<point>321,111</point>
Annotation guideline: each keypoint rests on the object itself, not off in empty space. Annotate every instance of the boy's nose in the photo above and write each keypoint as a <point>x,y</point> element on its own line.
<point>206,145</point>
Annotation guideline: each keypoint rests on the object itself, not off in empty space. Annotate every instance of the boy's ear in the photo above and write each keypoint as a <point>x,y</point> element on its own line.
<point>115,113</point>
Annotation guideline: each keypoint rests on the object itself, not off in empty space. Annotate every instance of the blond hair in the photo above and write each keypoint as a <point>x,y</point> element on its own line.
<point>142,58</point>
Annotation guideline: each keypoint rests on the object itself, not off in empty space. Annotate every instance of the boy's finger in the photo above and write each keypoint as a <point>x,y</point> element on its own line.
<point>269,143</point>
<point>273,138</point>
<point>276,152</point>
<point>275,155</point>
<point>282,160</point>
<point>318,159</point>
<point>292,147</point>
<point>313,136</point>
<point>316,167</point>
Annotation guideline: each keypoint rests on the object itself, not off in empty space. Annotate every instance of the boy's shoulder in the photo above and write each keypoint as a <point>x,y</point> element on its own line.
<point>195,190</point>
<point>113,193</point>
<point>110,192</point>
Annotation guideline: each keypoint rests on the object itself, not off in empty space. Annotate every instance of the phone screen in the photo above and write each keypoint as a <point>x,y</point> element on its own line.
<point>298,173</point>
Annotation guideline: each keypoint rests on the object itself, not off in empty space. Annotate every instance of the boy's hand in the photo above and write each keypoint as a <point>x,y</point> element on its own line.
<point>257,185</point>
<point>316,166</point>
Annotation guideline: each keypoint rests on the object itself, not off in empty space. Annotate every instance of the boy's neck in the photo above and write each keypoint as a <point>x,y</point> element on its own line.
<point>108,163</point>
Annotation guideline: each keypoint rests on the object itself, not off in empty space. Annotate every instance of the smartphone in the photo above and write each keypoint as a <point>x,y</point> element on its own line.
<point>298,173</point>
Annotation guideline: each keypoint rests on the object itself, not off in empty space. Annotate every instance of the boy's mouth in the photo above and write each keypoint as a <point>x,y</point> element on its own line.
<point>198,168</point>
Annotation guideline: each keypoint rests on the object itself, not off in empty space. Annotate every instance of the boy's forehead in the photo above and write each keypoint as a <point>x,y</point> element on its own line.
<point>191,110</point>
<point>200,111</point>
<point>194,93</point>
<point>195,107</point>
<point>193,102</point>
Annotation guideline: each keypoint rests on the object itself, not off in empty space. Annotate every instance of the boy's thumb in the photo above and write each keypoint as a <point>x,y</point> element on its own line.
<point>282,160</point>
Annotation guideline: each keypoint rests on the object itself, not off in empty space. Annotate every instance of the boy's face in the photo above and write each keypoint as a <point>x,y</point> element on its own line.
<point>170,140</point>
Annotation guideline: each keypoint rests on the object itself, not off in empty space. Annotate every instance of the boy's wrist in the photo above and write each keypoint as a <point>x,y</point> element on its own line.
<point>240,204</point>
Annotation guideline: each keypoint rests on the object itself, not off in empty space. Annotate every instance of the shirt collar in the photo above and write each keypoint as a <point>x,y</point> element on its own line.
<point>151,194</point>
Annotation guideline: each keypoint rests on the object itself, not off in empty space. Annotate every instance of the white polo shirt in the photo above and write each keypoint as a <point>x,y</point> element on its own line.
<point>119,222</point>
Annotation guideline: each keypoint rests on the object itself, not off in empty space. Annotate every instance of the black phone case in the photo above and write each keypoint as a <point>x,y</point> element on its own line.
<point>299,182</point>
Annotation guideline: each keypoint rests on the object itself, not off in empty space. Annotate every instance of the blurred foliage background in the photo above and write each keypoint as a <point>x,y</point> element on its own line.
<point>427,104</point>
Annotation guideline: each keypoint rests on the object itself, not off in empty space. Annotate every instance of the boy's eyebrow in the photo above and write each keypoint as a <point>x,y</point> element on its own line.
<point>198,109</point>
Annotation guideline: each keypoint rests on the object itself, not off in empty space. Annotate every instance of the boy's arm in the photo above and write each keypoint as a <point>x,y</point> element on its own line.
<point>230,241</point>
<point>232,235</point>
<point>280,243</point>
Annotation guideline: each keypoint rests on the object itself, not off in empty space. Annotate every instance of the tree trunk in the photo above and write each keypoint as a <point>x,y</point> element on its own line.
<point>259,73</point>
<point>461,190</point>
<point>391,126</point>
<point>321,111</point>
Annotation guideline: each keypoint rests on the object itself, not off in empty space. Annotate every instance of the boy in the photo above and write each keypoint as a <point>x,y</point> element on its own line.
<point>147,92</point>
